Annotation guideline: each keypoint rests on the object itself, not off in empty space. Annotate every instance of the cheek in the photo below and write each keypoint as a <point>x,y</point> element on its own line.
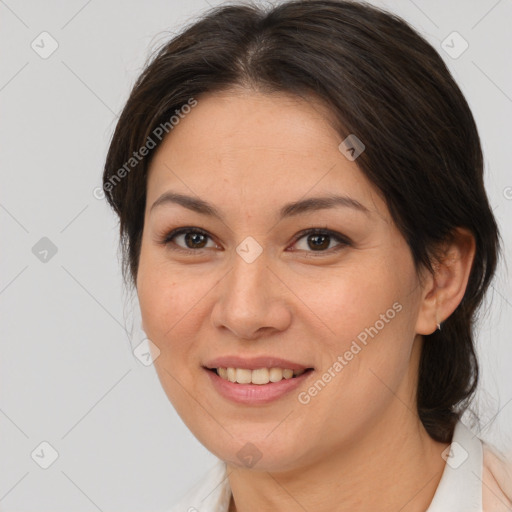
<point>171,307</point>
<point>159,297</point>
<point>369,319</point>
<point>349,303</point>
<point>162,305</point>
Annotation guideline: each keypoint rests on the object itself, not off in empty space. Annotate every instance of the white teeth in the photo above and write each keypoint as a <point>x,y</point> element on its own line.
<point>258,376</point>
<point>231,374</point>
<point>287,374</point>
<point>276,374</point>
<point>243,376</point>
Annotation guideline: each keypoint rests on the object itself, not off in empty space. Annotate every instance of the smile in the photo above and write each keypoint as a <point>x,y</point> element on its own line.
<point>259,376</point>
<point>258,386</point>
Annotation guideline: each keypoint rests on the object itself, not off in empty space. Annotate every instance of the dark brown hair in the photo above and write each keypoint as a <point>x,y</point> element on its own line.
<point>384,83</point>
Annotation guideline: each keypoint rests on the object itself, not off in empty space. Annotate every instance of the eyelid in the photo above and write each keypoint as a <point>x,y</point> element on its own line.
<point>339,237</point>
<point>166,238</point>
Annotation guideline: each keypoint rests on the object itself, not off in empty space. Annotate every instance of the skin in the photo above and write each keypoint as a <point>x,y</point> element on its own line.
<point>358,445</point>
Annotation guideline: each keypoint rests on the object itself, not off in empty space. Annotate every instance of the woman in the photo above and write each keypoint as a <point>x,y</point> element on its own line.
<point>303,216</point>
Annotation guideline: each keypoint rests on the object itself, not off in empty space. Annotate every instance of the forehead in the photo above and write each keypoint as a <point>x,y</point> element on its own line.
<point>263,148</point>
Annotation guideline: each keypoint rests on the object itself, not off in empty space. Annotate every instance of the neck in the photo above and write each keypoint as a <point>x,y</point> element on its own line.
<point>382,471</point>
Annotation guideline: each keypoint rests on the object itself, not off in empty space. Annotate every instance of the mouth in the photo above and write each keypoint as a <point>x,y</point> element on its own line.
<point>254,381</point>
<point>258,376</point>
<point>256,386</point>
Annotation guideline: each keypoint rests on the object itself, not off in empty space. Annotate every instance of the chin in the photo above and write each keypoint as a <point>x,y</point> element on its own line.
<point>256,452</point>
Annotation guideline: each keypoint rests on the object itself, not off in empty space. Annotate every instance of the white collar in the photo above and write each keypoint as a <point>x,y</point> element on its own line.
<point>459,490</point>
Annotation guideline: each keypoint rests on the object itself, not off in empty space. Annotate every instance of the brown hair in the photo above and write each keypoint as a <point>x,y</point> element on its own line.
<point>384,83</point>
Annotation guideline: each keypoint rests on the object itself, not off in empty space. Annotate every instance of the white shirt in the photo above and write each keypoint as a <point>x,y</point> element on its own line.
<point>475,479</point>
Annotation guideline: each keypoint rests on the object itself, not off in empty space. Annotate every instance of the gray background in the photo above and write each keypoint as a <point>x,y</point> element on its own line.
<point>67,373</point>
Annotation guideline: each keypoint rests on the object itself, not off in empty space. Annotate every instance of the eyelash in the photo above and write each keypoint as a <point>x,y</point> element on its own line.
<point>338,237</point>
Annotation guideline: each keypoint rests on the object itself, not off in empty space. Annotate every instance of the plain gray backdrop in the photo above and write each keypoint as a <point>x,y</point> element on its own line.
<point>70,387</point>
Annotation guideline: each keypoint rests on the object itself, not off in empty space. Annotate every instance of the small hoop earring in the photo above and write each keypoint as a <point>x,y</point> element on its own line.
<point>438,327</point>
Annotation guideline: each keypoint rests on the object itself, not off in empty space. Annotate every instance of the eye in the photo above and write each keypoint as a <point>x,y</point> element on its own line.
<point>188,239</point>
<point>314,240</point>
<point>320,240</point>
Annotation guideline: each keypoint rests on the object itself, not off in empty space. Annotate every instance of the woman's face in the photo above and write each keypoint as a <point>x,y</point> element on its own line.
<point>252,286</point>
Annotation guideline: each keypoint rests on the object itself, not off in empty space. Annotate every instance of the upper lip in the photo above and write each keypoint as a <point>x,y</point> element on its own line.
<point>253,363</point>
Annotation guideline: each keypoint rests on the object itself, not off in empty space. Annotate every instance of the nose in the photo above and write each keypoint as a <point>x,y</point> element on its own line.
<point>251,300</point>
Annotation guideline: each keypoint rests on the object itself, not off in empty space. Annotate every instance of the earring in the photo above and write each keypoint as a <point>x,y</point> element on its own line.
<point>438,324</point>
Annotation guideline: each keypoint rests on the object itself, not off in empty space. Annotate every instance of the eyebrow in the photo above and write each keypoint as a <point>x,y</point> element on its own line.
<point>288,210</point>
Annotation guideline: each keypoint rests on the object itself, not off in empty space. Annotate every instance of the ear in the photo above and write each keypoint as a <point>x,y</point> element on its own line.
<point>443,291</point>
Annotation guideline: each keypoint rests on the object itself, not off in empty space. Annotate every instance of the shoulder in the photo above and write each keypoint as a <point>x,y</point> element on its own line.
<point>496,479</point>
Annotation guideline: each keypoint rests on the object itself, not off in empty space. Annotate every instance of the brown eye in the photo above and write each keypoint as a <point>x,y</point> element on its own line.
<point>320,240</point>
<point>188,239</point>
<point>195,240</point>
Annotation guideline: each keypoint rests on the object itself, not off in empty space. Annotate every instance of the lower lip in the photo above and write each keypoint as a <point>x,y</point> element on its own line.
<point>255,394</point>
